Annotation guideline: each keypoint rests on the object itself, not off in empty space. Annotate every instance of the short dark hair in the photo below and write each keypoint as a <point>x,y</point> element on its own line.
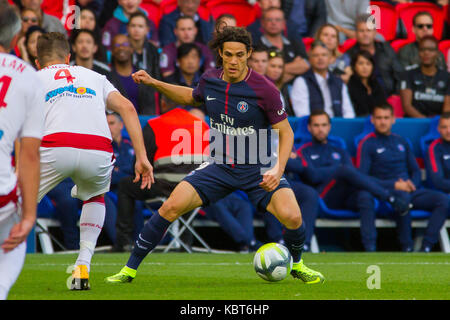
<point>270,10</point>
<point>10,24</point>
<point>186,48</point>
<point>445,115</point>
<point>76,33</point>
<point>224,16</point>
<point>318,43</point>
<point>429,38</point>
<point>53,45</point>
<point>383,106</point>
<point>229,34</point>
<point>422,13</point>
<point>183,18</point>
<point>316,113</point>
<point>139,14</point>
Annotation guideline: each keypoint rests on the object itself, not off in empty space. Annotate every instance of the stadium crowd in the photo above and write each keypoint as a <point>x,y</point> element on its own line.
<point>327,59</point>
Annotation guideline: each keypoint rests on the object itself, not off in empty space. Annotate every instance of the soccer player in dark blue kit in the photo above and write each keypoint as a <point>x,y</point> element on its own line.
<point>241,104</point>
<point>330,170</point>
<point>389,158</point>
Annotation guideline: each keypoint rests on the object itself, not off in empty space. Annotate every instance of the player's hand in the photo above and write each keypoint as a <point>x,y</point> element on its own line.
<point>411,185</point>
<point>17,235</point>
<point>143,77</point>
<point>403,185</point>
<point>271,179</point>
<point>144,171</point>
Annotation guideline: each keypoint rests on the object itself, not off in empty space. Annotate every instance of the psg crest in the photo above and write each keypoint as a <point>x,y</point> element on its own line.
<point>242,106</point>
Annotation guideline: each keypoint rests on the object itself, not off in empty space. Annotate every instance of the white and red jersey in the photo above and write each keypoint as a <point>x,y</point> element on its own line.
<point>75,104</point>
<point>21,114</point>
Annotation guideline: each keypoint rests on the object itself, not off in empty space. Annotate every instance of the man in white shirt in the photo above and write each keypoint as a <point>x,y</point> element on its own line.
<point>320,89</point>
<point>22,118</point>
<point>77,140</point>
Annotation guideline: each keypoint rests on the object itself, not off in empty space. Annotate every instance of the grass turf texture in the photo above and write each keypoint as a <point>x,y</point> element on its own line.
<point>182,276</point>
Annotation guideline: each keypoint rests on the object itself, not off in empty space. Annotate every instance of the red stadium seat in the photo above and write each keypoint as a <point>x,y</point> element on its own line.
<point>396,102</point>
<point>406,12</point>
<point>347,45</point>
<point>307,41</point>
<point>240,9</point>
<point>444,47</point>
<point>167,6</point>
<point>399,43</point>
<point>56,8</point>
<point>387,19</point>
<point>153,11</point>
<point>446,13</point>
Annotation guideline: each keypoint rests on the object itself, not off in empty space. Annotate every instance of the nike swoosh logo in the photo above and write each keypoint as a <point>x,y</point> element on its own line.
<point>314,156</point>
<point>209,98</point>
<point>380,150</point>
<point>446,157</point>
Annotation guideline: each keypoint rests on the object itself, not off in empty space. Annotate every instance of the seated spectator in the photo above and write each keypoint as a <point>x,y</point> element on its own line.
<point>29,18</point>
<point>95,6</point>
<point>123,167</point>
<point>259,59</point>
<point>225,20</point>
<point>185,8</point>
<point>67,213</point>
<point>143,97</point>
<point>273,24</point>
<point>84,48</point>
<point>388,69</point>
<point>343,14</point>
<point>88,21</point>
<point>255,28</point>
<point>185,32</point>
<point>49,23</point>
<point>390,158</point>
<point>274,72</point>
<point>329,169</point>
<point>188,71</point>
<point>30,54</point>
<point>339,63</point>
<point>318,89</point>
<point>145,55</point>
<point>168,169</point>
<point>316,16</point>
<point>425,90</point>
<point>422,27</point>
<point>118,23</point>
<point>235,217</point>
<point>364,90</point>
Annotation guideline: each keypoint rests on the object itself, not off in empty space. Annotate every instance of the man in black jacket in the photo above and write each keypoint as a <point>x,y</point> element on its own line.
<point>388,68</point>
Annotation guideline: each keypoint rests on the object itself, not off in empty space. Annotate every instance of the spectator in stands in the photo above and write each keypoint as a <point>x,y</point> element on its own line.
<point>29,18</point>
<point>259,59</point>
<point>316,16</point>
<point>422,27</point>
<point>95,6</point>
<point>188,71</point>
<point>274,72</point>
<point>320,89</point>
<point>187,8</point>
<point>388,69</point>
<point>390,158</point>
<point>225,20</point>
<point>123,167</point>
<point>185,32</point>
<point>118,23</point>
<point>273,24</point>
<point>339,63</point>
<point>30,52</point>
<point>425,90</point>
<point>143,97</point>
<point>343,15</point>
<point>235,216</point>
<point>329,169</point>
<point>168,170</point>
<point>296,23</point>
<point>88,21</point>
<point>84,48</point>
<point>364,90</point>
<point>145,55</point>
<point>49,23</point>
<point>255,28</point>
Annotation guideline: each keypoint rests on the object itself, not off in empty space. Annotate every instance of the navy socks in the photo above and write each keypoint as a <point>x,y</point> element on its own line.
<point>294,241</point>
<point>148,239</point>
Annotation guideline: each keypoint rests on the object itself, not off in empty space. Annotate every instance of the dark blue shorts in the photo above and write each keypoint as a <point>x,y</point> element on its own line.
<point>215,181</point>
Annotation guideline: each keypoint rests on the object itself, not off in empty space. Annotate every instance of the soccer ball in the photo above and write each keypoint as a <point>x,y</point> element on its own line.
<point>272,262</point>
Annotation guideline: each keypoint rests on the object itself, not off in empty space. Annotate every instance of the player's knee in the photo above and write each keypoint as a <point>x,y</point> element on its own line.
<point>170,210</point>
<point>292,219</point>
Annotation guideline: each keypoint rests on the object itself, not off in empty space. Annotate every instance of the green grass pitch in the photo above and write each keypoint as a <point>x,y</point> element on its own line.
<point>182,276</point>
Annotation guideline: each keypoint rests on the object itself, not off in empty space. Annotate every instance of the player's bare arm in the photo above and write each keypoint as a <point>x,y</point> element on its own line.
<point>179,94</point>
<point>28,185</point>
<point>271,179</point>
<point>143,169</point>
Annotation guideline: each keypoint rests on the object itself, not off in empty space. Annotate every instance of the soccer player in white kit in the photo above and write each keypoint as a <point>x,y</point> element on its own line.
<point>21,116</point>
<point>77,141</point>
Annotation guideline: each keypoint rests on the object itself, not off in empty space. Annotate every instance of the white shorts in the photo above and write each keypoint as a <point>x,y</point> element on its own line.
<point>90,170</point>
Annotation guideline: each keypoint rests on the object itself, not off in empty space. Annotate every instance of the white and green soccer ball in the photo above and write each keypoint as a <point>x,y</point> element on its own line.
<point>273,262</point>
